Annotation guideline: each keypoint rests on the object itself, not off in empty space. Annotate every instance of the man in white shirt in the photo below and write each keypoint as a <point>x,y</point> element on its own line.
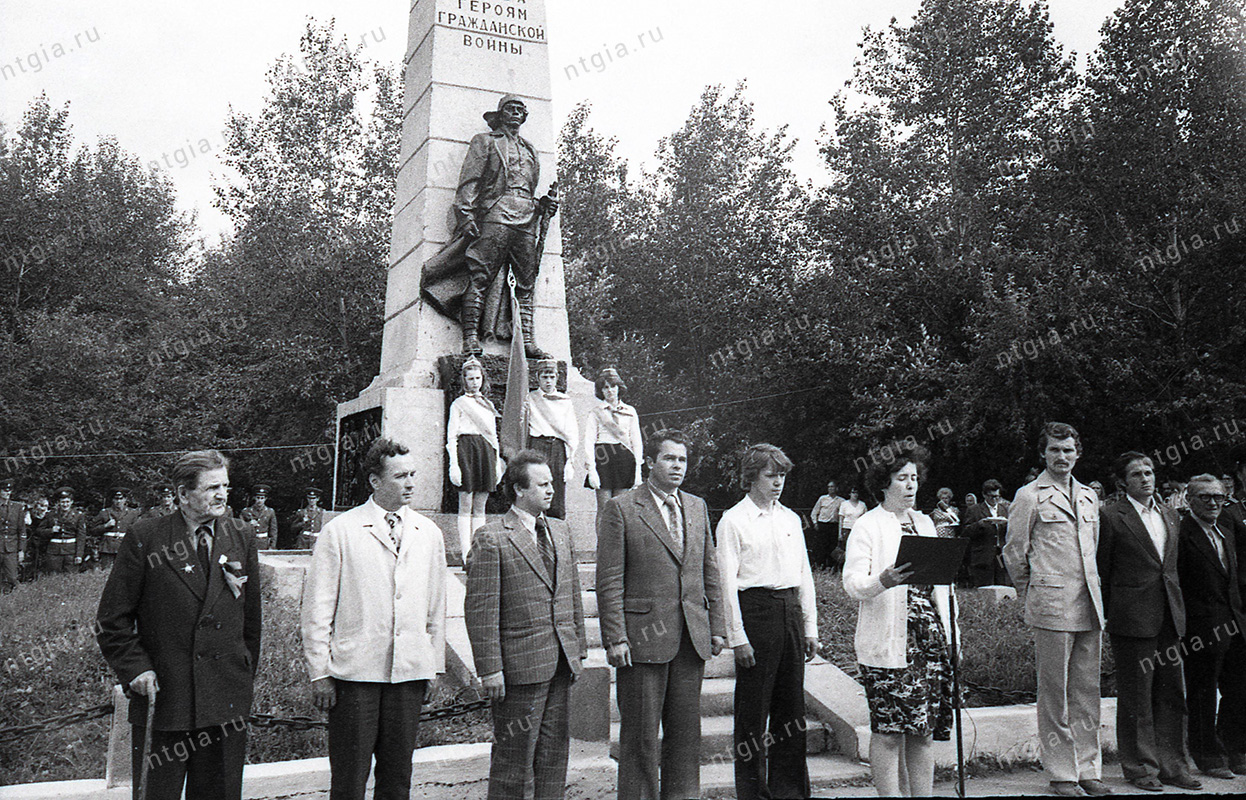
<point>374,609</point>
<point>772,624</point>
<point>1145,613</point>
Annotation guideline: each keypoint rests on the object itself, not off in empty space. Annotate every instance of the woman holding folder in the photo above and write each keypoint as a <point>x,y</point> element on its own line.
<point>902,633</point>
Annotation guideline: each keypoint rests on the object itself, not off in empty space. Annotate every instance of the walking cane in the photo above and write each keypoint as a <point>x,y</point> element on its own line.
<point>151,717</point>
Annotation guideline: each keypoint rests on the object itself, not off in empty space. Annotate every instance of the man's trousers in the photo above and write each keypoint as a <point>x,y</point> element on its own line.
<point>666,767</point>
<point>373,719</point>
<point>532,739</point>
<point>1150,704</point>
<point>208,761</point>
<point>770,698</point>
<point>1068,703</point>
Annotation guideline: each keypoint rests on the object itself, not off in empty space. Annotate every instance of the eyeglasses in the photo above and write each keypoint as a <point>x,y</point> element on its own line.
<point>1213,498</point>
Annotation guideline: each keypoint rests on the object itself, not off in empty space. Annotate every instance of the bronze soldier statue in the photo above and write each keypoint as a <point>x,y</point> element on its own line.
<point>499,222</point>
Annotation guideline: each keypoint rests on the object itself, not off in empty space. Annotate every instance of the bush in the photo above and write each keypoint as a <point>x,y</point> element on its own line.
<point>51,665</point>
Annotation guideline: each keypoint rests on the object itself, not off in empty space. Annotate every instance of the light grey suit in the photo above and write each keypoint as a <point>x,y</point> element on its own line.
<point>1051,556</point>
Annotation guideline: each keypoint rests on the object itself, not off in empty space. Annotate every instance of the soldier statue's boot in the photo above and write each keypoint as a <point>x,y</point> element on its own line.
<point>472,303</point>
<point>525,318</point>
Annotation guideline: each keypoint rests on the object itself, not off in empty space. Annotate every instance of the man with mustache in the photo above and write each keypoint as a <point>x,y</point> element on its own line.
<point>1053,537</point>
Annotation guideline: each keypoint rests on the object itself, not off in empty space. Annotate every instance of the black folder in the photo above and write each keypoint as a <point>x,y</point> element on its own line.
<point>934,560</point>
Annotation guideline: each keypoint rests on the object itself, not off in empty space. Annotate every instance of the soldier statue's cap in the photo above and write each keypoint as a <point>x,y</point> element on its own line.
<point>118,491</point>
<point>162,488</point>
<point>311,491</point>
<point>492,116</point>
<point>261,488</point>
<point>547,365</point>
<point>1238,455</point>
<point>6,483</point>
<point>65,491</point>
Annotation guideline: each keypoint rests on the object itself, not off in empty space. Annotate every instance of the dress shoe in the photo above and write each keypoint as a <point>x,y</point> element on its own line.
<point>1066,789</point>
<point>1094,787</point>
<point>1148,784</point>
<point>1182,781</point>
<point>1224,773</point>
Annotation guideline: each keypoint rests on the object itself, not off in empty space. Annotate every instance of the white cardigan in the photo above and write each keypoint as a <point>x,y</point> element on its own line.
<point>882,619</point>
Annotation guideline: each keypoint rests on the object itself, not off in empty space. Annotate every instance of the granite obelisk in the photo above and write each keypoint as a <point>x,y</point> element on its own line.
<point>462,56</point>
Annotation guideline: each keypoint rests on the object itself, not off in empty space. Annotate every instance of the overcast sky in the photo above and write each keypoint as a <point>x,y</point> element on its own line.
<point>161,75</point>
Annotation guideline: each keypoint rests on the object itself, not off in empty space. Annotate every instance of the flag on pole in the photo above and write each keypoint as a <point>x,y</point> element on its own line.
<point>516,388</point>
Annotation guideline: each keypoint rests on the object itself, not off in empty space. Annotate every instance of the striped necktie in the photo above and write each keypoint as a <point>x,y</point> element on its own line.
<point>546,544</point>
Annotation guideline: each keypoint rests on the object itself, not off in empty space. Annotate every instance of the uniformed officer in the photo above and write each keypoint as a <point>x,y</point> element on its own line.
<point>12,535</point>
<point>308,520</point>
<point>111,525</point>
<point>67,545</point>
<point>39,523</point>
<point>164,503</point>
<point>263,520</point>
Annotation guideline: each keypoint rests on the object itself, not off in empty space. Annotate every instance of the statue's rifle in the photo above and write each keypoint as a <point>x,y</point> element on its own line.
<point>546,216</point>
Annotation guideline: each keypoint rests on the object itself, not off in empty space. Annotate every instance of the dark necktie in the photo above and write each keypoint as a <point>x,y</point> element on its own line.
<point>546,544</point>
<point>201,546</point>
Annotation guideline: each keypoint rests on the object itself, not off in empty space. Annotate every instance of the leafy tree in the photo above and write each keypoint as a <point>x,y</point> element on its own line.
<point>305,272</point>
<point>1164,182</point>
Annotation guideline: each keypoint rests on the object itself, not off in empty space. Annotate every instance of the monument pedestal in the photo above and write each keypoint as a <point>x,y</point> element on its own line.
<point>462,58</point>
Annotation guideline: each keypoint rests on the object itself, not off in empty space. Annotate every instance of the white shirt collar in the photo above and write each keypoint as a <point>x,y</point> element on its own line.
<point>1142,509</point>
<point>526,519</point>
<point>754,510</point>
<point>380,512</point>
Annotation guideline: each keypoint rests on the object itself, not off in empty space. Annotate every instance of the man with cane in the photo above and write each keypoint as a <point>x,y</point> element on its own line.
<point>180,616</point>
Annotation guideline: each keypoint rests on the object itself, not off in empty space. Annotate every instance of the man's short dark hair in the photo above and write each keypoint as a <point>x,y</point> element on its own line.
<point>381,449</point>
<point>759,457</point>
<point>878,477</point>
<point>992,485</point>
<point>653,445</point>
<point>188,468</point>
<point>517,470</point>
<point>1055,432</point>
<point>1121,465</point>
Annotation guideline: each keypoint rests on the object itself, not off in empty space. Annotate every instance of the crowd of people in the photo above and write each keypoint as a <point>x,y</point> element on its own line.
<point>179,619</point>
<point>43,533</point>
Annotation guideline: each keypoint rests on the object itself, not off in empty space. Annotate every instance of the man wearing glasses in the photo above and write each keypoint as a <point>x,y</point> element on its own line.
<point>1207,564</point>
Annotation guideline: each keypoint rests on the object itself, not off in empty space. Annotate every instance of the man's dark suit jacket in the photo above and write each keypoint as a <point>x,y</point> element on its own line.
<point>648,592</point>
<point>158,611</point>
<point>1138,582</point>
<point>1212,595</point>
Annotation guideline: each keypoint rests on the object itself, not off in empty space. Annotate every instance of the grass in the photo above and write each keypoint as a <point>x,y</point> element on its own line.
<point>997,663</point>
<point>50,665</point>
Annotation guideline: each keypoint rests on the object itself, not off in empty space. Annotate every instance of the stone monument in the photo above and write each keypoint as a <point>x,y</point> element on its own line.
<point>463,57</point>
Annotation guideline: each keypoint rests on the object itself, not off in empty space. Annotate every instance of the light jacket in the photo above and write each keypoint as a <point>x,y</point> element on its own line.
<point>371,612</point>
